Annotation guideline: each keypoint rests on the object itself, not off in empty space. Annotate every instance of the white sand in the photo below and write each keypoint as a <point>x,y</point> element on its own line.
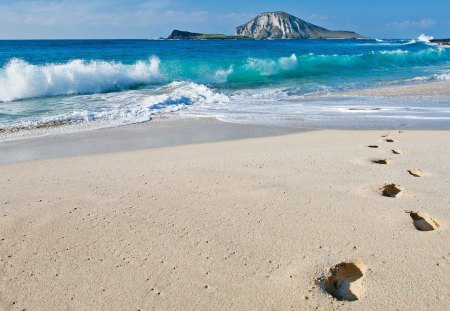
<point>441,88</point>
<point>238,225</point>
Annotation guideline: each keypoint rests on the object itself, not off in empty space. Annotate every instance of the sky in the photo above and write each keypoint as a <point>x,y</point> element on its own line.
<point>146,19</point>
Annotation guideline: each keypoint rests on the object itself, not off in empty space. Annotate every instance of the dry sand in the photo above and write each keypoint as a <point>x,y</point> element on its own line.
<point>254,224</point>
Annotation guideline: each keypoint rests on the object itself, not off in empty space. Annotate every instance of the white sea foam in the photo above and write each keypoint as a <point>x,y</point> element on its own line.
<point>267,67</point>
<point>20,79</point>
<point>126,107</point>
<point>221,75</point>
<point>395,52</point>
<point>288,63</point>
<point>264,67</point>
<point>380,42</point>
<point>410,42</point>
<point>142,105</point>
<point>424,38</point>
<point>178,95</point>
<point>434,77</point>
<point>285,106</point>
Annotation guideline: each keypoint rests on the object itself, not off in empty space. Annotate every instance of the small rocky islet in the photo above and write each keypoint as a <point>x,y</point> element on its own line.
<point>271,25</point>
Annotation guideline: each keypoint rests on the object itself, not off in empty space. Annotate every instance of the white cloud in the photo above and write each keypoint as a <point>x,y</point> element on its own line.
<point>425,23</point>
<point>89,18</point>
<point>317,17</point>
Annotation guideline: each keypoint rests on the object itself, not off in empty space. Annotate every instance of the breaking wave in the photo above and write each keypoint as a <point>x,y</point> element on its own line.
<point>269,67</point>
<point>20,79</point>
<point>313,65</point>
<point>119,108</point>
<point>424,38</point>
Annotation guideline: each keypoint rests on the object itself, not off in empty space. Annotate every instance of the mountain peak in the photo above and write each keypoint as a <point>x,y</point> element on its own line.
<point>281,25</point>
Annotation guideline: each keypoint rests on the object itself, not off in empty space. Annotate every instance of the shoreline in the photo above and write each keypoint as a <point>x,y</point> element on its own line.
<point>148,135</point>
<point>430,89</point>
<point>243,224</point>
<point>158,133</point>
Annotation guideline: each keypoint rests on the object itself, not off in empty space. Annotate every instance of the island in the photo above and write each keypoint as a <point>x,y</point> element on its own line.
<point>271,25</point>
<point>281,25</point>
<point>186,35</point>
<point>440,41</point>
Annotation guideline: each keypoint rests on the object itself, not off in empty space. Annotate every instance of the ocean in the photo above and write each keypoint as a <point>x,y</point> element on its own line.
<point>87,84</point>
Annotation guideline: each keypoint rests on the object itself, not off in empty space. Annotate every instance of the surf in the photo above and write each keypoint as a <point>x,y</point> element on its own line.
<point>89,84</point>
<point>21,80</point>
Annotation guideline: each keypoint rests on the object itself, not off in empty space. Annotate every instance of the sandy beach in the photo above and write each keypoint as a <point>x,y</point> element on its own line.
<point>215,156</point>
<point>280,222</point>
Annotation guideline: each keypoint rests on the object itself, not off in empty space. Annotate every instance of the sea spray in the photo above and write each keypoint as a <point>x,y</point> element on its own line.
<point>269,67</point>
<point>288,63</point>
<point>118,108</point>
<point>424,38</point>
<point>222,75</point>
<point>20,79</point>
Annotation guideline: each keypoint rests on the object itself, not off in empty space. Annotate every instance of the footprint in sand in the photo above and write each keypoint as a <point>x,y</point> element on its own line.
<point>423,222</point>
<point>344,281</point>
<point>415,172</point>
<point>391,190</point>
<point>397,151</point>
<point>373,146</point>
<point>381,161</point>
<point>389,140</point>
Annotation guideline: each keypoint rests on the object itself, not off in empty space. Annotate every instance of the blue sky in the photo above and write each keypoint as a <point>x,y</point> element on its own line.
<point>54,19</point>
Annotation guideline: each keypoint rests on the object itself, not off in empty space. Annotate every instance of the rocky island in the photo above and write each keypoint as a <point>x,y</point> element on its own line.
<point>271,25</point>
<point>441,41</point>
<point>281,25</point>
<point>186,35</point>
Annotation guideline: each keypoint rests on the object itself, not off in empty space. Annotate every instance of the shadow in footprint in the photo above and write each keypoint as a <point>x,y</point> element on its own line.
<point>397,151</point>
<point>415,172</point>
<point>344,281</point>
<point>381,161</point>
<point>373,146</point>
<point>423,222</point>
<point>389,140</point>
<point>391,190</point>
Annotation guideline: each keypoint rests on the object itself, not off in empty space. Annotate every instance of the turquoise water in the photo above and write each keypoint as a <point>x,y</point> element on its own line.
<point>100,83</point>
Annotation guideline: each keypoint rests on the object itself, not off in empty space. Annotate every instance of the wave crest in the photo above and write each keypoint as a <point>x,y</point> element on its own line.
<point>424,38</point>
<point>268,67</point>
<point>178,95</point>
<point>21,80</point>
<point>119,108</point>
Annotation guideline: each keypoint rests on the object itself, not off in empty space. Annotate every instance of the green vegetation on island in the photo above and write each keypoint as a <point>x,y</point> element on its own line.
<point>441,41</point>
<point>186,35</point>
